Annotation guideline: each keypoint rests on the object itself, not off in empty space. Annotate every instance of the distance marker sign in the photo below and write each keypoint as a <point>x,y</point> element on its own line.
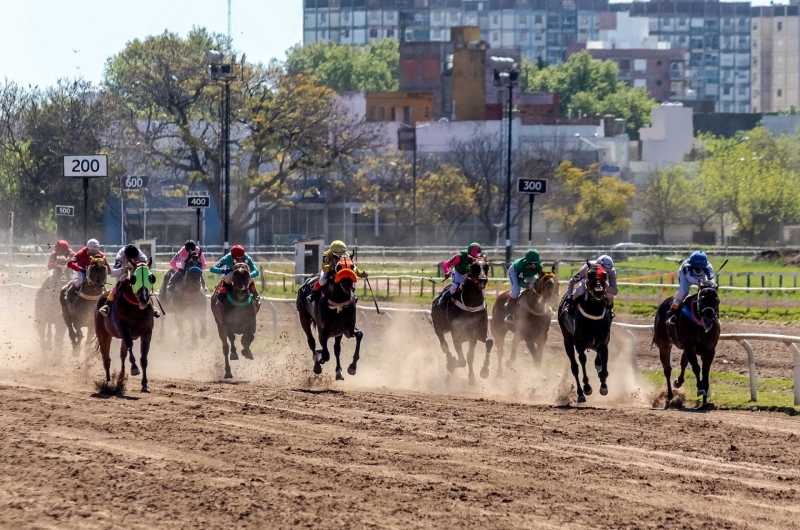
<point>198,201</point>
<point>67,211</point>
<point>532,186</point>
<point>86,166</point>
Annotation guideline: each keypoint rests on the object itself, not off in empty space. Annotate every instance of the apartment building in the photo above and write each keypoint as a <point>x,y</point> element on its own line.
<point>775,64</point>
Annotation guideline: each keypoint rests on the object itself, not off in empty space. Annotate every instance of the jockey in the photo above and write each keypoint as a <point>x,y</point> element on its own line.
<point>330,258</point>
<point>580,279</point>
<point>178,262</point>
<point>62,249</point>
<point>127,259</point>
<point>693,271</point>
<point>79,262</point>
<point>527,269</point>
<point>225,267</point>
<point>459,265</point>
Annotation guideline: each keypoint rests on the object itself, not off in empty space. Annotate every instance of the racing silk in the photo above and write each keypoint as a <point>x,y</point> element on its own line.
<point>82,259</point>
<point>122,264</point>
<point>611,280</point>
<point>178,262</point>
<point>523,272</point>
<point>688,271</point>
<point>461,263</point>
<point>227,262</point>
<point>51,263</point>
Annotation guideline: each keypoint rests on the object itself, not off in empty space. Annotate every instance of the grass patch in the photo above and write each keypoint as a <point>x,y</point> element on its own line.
<point>732,391</point>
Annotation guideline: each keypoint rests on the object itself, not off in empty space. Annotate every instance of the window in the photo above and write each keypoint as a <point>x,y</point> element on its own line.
<point>390,32</point>
<point>437,16</point>
<point>346,33</point>
<point>640,82</point>
<point>393,114</point>
<point>755,61</point>
<point>390,16</point>
<point>538,19</point>
<point>378,113</point>
<point>755,26</point>
<point>436,34</point>
<point>640,65</point>
<point>780,93</point>
<point>323,18</point>
<point>495,19</point>
<point>374,16</point>
<point>495,36</point>
<point>742,90</point>
<point>755,45</point>
<point>373,33</point>
<point>658,63</point>
<point>682,21</point>
<point>407,115</point>
<point>346,17</point>
<point>426,112</point>
<point>658,82</point>
<point>523,19</point>
<point>726,91</point>
<point>780,26</point>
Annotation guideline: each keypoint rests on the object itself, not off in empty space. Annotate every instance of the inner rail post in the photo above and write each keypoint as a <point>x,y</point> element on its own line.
<point>751,358</point>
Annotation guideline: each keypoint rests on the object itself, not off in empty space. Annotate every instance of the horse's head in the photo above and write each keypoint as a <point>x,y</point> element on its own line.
<point>547,286</point>
<point>479,271</point>
<point>596,281</point>
<point>60,269</point>
<point>192,260</point>
<point>193,276</point>
<point>97,272</point>
<point>142,283</point>
<point>241,277</point>
<point>708,304</point>
<point>345,277</point>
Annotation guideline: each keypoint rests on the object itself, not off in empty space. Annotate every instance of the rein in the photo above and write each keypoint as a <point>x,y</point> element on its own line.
<point>469,309</point>
<point>90,298</point>
<point>592,317</point>
<point>339,306</point>
<point>240,304</point>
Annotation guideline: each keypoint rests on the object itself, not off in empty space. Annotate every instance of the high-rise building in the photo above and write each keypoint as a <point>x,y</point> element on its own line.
<point>775,65</point>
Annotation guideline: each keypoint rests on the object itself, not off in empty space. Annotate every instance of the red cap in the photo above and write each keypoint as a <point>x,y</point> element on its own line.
<point>62,245</point>
<point>237,251</point>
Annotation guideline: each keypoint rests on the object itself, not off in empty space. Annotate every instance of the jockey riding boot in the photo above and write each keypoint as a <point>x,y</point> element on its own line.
<point>69,291</point>
<point>448,294</point>
<point>510,305</point>
<point>104,310</point>
<point>671,314</point>
<point>316,293</point>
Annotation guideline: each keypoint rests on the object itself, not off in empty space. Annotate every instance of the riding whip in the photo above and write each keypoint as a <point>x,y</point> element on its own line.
<point>373,296</point>
<point>717,273</point>
<point>159,305</point>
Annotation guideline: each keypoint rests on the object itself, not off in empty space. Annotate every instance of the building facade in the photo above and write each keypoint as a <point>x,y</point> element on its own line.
<point>775,64</point>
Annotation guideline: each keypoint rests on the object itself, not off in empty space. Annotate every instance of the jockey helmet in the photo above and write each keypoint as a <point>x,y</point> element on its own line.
<point>237,251</point>
<point>93,243</point>
<point>474,250</point>
<point>190,246</point>
<point>338,248</point>
<point>131,252</point>
<point>532,256</point>
<point>698,260</point>
<point>606,262</point>
<point>62,245</point>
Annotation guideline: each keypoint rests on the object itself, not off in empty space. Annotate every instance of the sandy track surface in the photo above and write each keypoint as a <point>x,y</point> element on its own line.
<point>220,455</point>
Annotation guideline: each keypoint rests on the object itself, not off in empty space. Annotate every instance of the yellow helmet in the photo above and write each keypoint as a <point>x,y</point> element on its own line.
<point>338,248</point>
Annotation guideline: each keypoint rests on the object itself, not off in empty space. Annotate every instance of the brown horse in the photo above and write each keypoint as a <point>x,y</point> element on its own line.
<point>531,320</point>
<point>236,315</point>
<point>186,300</point>
<point>130,317</point>
<point>78,309</point>
<point>49,320</point>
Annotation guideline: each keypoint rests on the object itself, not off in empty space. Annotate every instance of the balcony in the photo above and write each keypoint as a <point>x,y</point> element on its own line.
<point>624,74</point>
<point>676,74</point>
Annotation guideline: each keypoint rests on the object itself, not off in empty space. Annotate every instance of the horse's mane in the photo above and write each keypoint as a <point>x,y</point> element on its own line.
<point>240,266</point>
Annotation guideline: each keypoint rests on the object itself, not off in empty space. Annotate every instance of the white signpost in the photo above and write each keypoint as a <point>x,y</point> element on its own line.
<point>85,167</point>
<point>355,210</point>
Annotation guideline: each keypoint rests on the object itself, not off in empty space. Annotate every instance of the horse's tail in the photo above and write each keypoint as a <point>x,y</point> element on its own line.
<point>95,346</point>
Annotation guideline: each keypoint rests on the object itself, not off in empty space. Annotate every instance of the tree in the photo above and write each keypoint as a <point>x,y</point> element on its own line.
<point>666,200</point>
<point>592,88</point>
<point>589,206</point>
<point>445,198</point>
<point>347,67</point>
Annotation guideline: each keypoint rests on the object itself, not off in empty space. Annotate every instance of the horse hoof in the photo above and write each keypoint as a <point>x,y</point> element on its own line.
<point>603,390</point>
<point>451,365</point>
<point>145,390</point>
<point>462,363</point>
<point>339,376</point>
<point>587,390</point>
<point>484,372</point>
<point>351,369</point>
<point>317,368</point>
<point>471,379</point>
<point>678,383</point>
<point>228,375</point>
<point>234,356</point>
<point>581,399</point>
<point>134,370</point>
<point>325,357</point>
<point>248,354</point>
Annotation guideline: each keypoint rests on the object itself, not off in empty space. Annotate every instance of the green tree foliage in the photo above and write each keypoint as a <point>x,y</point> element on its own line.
<point>592,87</point>
<point>589,206</point>
<point>440,204</point>
<point>347,67</point>
<point>666,200</point>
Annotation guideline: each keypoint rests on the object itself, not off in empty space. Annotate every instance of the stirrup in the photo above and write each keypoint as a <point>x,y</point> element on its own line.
<point>104,310</point>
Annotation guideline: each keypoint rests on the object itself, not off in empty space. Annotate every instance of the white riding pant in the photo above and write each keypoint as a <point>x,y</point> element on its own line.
<point>458,281</point>
<point>79,279</point>
<point>684,284</point>
<point>516,288</point>
<point>323,278</point>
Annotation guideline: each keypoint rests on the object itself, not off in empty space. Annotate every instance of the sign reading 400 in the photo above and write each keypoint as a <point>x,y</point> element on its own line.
<point>198,201</point>
<point>86,166</point>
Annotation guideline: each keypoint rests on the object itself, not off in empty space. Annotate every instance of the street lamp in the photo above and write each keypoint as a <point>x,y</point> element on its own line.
<point>414,179</point>
<point>219,70</point>
<point>506,74</point>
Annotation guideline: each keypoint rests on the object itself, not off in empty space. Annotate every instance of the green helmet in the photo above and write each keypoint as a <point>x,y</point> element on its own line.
<point>532,256</point>
<point>338,248</point>
<point>474,250</point>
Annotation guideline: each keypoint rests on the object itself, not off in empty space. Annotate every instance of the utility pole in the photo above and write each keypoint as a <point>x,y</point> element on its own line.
<point>219,70</point>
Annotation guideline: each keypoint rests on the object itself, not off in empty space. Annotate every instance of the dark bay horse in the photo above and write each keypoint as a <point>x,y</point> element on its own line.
<point>334,316</point>
<point>466,319</point>
<point>130,317</point>
<point>187,300</point>
<point>48,317</point>
<point>235,316</point>
<point>588,326</point>
<point>79,309</point>
<point>696,332</point>
<point>531,319</point>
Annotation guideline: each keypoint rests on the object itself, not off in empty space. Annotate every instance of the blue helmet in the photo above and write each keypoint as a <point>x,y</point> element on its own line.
<point>698,260</point>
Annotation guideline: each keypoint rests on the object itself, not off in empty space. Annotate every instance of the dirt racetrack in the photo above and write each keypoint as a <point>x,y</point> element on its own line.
<point>400,445</point>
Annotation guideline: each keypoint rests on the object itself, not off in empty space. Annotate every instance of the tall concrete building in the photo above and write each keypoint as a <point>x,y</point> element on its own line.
<point>775,65</point>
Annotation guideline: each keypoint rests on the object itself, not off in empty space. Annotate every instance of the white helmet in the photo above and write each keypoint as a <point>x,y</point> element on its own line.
<point>93,243</point>
<point>606,262</point>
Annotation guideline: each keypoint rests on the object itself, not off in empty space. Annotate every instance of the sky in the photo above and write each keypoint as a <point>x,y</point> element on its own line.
<point>44,40</point>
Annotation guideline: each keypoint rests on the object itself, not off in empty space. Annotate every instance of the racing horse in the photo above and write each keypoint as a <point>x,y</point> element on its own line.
<point>78,309</point>
<point>49,321</point>
<point>587,325</point>
<point>235,316</point>
<point>187,299</point>
<point>696,332</point>
<point>466,319</point>
<point>130,317</point>
<point>334,316</point>
<point>531,319</point>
